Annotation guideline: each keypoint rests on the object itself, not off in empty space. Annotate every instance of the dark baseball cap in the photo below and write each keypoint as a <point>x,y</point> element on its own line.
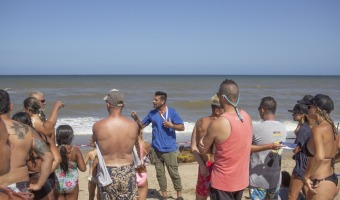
<point>305,99</point>
<point>323,102</point>
<point>300,109</point>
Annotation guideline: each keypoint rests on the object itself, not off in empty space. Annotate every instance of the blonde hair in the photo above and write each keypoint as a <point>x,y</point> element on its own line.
<point>328,118</point>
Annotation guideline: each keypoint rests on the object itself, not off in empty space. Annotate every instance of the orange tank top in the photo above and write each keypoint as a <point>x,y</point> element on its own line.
<point>232,156</point>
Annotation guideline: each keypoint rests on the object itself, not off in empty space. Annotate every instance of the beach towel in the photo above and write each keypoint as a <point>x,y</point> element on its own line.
<point>103,176</point>
<point>136,160</point>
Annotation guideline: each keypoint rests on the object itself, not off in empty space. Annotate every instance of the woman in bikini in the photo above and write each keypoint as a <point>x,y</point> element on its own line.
<point>48,191</point>
<point>321,150</point>
<point>72,160</point>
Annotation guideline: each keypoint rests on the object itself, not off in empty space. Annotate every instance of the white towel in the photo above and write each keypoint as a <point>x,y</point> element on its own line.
<point>103,175</point>
<point>136,160</point>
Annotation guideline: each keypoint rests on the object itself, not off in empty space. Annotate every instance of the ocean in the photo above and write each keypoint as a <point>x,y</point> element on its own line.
<point>188,94</point>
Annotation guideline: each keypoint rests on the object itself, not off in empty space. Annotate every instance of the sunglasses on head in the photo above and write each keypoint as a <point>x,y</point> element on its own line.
<point>42,101</point>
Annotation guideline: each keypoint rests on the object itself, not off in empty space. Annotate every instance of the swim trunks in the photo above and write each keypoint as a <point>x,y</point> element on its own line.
<point>203,182</point>
<point>123,184</point>
<point>260,193</point>
<point>19,189</point>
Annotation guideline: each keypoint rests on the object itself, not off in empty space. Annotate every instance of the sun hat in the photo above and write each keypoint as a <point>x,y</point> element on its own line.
<point>115,98</point>
<point>299,109</point>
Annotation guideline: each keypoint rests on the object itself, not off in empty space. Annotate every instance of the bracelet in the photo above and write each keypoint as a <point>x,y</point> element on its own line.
<point>270,146</point>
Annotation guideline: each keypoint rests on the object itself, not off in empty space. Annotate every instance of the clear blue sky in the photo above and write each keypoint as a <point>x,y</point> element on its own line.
<point>265,37</point>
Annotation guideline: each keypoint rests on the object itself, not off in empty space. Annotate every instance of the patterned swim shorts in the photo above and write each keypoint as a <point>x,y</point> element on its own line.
<point>124,183</point>
<point>203,182</point>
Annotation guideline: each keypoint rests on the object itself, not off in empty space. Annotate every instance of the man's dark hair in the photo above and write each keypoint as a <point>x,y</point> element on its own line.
<point>5,102</point>
<point>269,104</point>
<point>163,95</point>
<point>230,89</point>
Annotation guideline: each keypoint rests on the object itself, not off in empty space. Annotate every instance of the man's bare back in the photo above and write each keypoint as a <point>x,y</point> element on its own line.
<point>5,150</point>
<point>23,138</point>
<point>116,135</point>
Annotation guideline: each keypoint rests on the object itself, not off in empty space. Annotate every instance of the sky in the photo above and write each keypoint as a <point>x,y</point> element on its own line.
<point>262,37</point>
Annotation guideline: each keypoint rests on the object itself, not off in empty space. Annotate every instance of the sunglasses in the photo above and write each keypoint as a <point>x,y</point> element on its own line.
<point>309,106</point>
<point>42,101</point>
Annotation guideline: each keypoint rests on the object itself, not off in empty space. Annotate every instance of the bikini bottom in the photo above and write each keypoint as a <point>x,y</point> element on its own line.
<point>332,178</point>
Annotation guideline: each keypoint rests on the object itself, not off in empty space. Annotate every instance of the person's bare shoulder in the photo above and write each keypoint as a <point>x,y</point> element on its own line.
<point>220,128</point>
<point>97,125</point>
<point>202,125</point>
<point>3,133</point>
<point>38,144</point>
<point>19,130</point>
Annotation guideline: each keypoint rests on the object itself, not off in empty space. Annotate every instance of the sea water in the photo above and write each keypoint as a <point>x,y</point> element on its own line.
<point>188,94</point>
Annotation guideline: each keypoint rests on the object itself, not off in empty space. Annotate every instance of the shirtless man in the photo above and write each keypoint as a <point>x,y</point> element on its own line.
<point>205,161</point>
<point>5,150</point>
<point>22,139</point>
<point>115,136</point>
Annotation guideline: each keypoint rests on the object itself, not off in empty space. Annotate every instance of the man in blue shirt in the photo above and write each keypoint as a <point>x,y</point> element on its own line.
<point>165,122</point>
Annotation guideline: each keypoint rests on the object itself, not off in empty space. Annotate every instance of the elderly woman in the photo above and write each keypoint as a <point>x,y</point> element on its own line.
<point>321,150</point>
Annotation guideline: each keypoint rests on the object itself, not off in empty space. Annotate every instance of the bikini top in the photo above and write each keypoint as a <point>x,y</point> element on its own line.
<point>306,151</point>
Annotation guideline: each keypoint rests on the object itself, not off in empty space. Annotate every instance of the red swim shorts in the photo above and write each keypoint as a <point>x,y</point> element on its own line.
<point>203,182</point>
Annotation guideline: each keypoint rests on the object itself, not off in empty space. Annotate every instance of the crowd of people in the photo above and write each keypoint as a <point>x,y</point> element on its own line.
<point>39,161</point>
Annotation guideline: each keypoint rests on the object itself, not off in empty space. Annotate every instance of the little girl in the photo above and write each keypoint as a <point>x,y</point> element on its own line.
<point>143,149</point>
<point>91,158</point>
<point>72,160</point>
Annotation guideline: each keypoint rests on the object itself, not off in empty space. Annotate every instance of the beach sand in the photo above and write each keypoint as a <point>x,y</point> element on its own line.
<point>188,172</point>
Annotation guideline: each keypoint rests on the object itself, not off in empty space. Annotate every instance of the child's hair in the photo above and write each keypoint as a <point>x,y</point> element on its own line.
<point>64,136</point>
<point>285,179</point>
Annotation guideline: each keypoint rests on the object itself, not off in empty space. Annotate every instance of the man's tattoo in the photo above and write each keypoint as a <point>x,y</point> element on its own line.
<point>19,129</point>
<point>40,147</point>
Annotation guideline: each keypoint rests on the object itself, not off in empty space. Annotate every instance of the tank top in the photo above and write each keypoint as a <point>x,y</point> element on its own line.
<point>231,167</point>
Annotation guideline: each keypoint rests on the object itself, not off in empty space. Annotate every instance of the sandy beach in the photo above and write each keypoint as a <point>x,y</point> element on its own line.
<point>188,172</point>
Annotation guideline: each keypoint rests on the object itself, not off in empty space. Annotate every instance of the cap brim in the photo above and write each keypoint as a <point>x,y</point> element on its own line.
<point>292,111</point>
<point>105,98</point>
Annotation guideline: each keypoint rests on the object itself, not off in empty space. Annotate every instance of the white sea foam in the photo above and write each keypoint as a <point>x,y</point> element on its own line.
<point>83,126</point>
